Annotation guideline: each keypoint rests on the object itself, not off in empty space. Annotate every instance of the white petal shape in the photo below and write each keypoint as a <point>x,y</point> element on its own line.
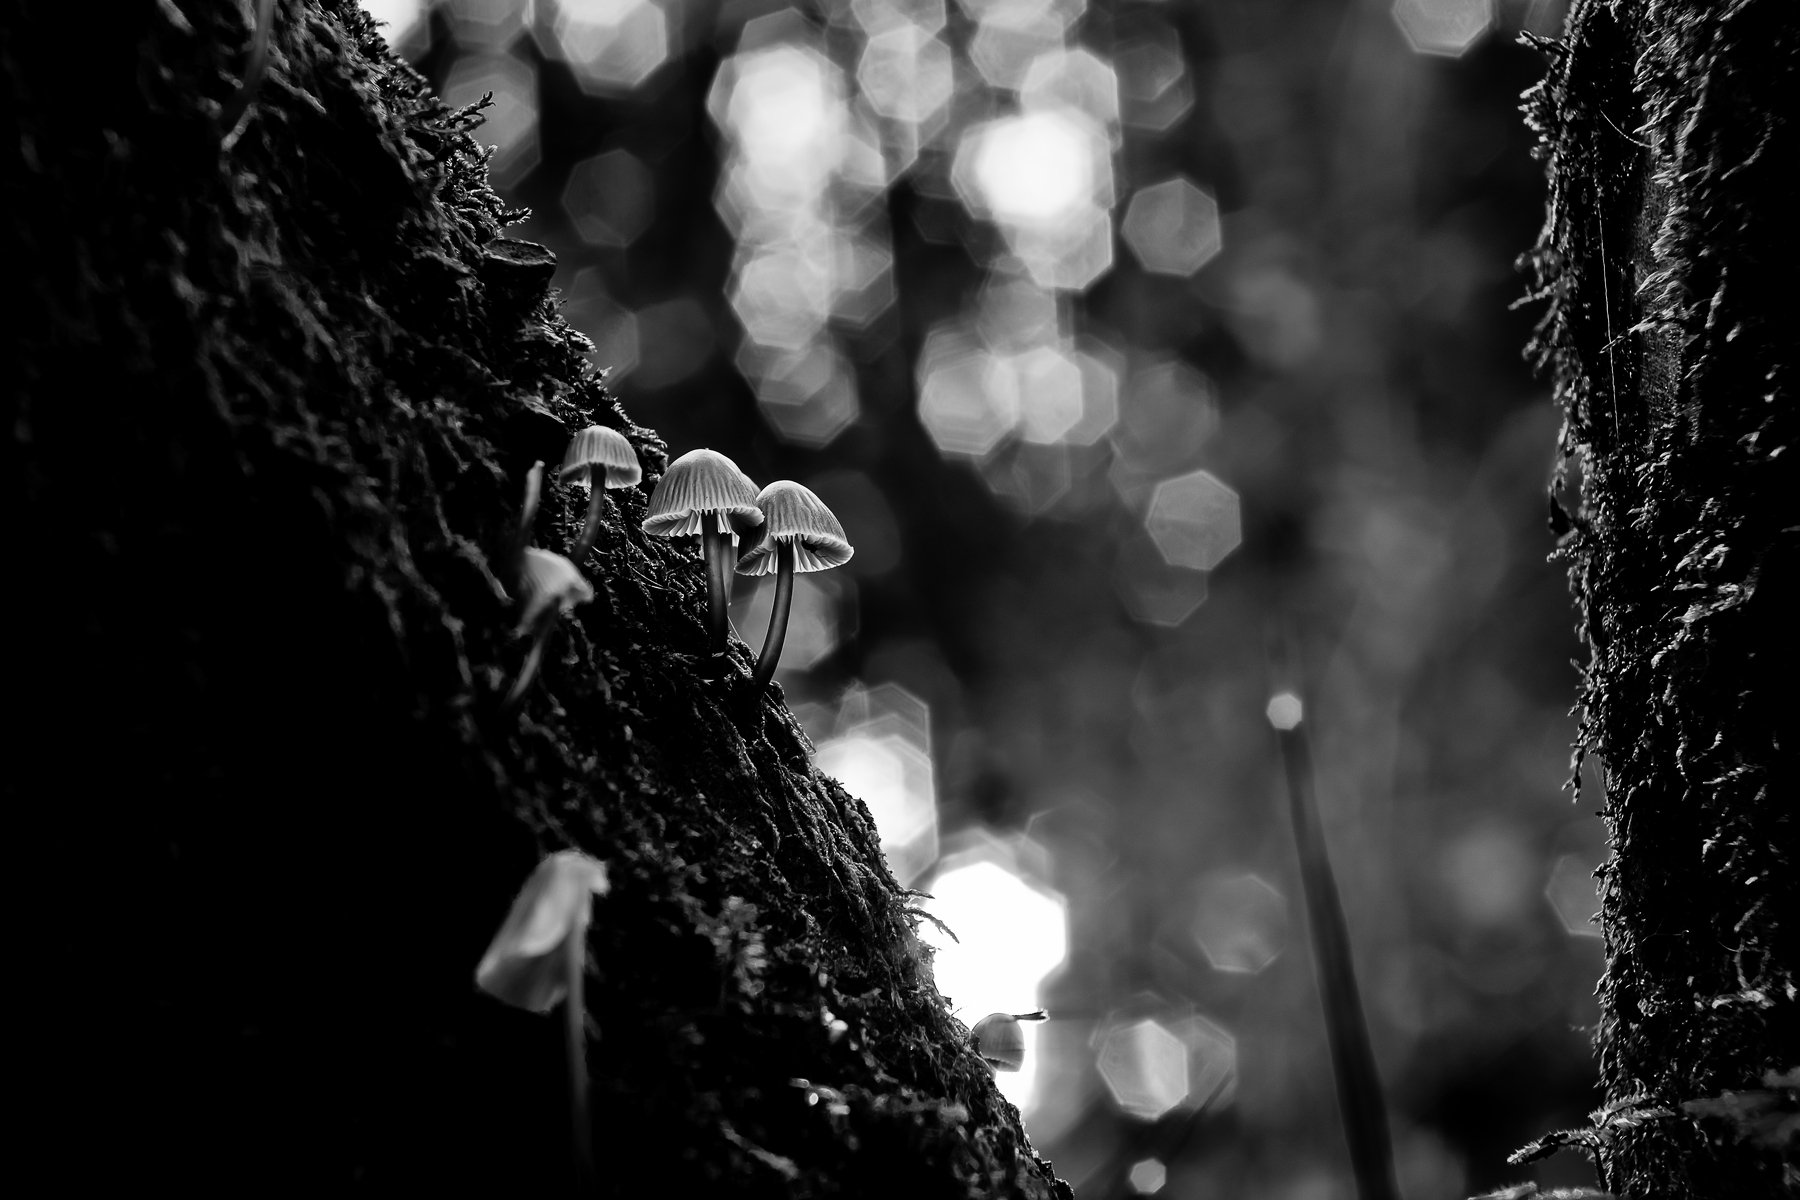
<point>525,965</point>
<point>550,579</point>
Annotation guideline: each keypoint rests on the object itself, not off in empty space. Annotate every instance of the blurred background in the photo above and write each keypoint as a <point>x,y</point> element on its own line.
<point>1123,336</point>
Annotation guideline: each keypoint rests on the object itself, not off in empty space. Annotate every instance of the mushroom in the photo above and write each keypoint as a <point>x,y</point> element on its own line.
<point>539,957</point>
<point>704,493</point>
<point>801,535</point>
<point>550,587</point>
<point>534,487</point>
<point>999,1040</point>
<point>601,458</point>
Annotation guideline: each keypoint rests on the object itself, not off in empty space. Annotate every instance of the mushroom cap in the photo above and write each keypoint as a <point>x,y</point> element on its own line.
<point>523,965</point>
<point>604,453</point>
<point>550,579</point>
<point>699,483</point>
<point>796,516</point>
<point>998,1039</point>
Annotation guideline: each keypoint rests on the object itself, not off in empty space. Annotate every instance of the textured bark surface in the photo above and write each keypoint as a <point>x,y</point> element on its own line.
<point>266,437</point>
<point>1668,262</point>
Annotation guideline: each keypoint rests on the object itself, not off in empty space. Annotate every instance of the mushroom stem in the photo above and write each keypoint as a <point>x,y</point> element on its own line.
<point>581,1137</point>
<point>778,616</point>
<point>1360,1103</point>
<point>529,668</point>
<point>715,547</point>
<point>534,486</point>
<point>591,530</point>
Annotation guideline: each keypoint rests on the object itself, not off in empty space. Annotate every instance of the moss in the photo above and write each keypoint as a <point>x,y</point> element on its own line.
<point>267,439</point>
<point>1667,265</point>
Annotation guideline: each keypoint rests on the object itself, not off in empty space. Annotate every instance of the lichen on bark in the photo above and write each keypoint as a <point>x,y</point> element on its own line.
<point>273,408</point>
<point>1667,261</point>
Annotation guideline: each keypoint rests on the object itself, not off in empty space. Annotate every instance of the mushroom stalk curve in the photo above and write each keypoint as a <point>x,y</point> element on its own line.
<point>534,487</point>
<point>590,529</point>
<point>603,459</point>
<point>581,1130</point>
<point>778,615</point>
<point>799,534</point>
<point>534,658</point>
<point>704,493</point>
<point>716,547</point>
<point>549,587</point>
<point>538,960</point>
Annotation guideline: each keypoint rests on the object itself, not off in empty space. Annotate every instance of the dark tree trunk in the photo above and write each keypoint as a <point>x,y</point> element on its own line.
<point>1669,261</point>
<point>273,400</point>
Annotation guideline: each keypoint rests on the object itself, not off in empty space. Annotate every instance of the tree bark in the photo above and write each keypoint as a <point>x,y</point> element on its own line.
<point>274,400</point>
<point>1668,260</point>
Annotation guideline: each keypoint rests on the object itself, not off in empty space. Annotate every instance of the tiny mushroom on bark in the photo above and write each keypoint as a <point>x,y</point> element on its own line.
<point>601,458</point>
<point>539,958</point>
<point>704,493</point>
<point>999,1040</point>
<point>534,487</point>
<point>801,535</point>
<point>551,586</point>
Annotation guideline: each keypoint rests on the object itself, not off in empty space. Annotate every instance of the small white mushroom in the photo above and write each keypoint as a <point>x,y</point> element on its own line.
<point>704,493</point>
<point>999,1040</point>
<point>601,458</point>
<point>800,534</point>
<point>539,958</point>
<point>550,587</point>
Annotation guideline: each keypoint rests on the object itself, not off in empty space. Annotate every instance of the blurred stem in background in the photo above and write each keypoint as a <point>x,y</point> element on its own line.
<point>1360,1102</point>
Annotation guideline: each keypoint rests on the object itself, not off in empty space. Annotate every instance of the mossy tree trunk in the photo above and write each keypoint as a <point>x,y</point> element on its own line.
<point>274,397</point>
<point>1672,134</point>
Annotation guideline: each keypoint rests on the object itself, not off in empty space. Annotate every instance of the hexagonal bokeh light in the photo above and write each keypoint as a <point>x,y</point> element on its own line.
<point>893,776</point>
<point>966,404</point>
<point>782,104</point>
<point>612,46</point>
<point>484,24</point>
<point>1074,78</point>
<point>876,16</point>
<point>1212,1062</point>
<point>782,294</point>
<point>1194,520</point>
<point>399,19</point>
<point>1045,177</point>
<point>511,123</point>
<point>1153,80</point>
<point>1172,227</point>
<point>1035,169</point>
<point>610,198</point>
<point>1574,894</point>
<point>1145,1067</point>
<point>1167,413</point>
<point>1010,936</point>
<point>610,326</point>
<point>1147,1176</point>
<point>1153,591</point>
<point>906,74</point>
<point>1008,42</point>
<point>1050,393</point>
<point>1029,478</point>
<point>808,396</point>
<point>1240,922</point>
<point>1444,27</point>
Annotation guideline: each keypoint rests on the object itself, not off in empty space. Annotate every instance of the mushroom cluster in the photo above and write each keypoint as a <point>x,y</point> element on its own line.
<point>790,529</point>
